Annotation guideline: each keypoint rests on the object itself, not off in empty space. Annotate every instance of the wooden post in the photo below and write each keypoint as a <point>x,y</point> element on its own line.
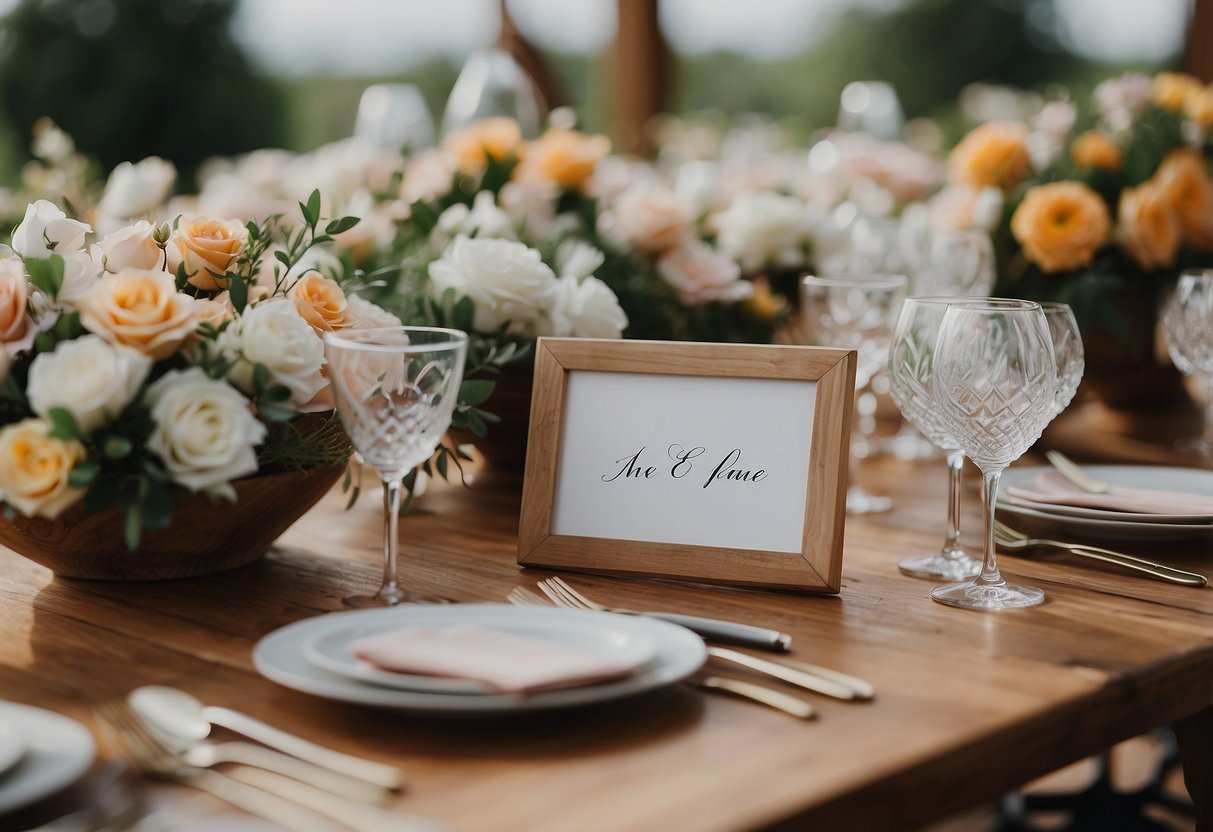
<point>643,73</point>
<point>1198,50</point>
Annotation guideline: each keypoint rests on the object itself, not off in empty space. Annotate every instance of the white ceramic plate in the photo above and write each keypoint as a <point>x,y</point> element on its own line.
<point>12,744</point>
<point>59,752</point>
<point>330,650</point>
<point>280,657</point>
<point>1188,480</point>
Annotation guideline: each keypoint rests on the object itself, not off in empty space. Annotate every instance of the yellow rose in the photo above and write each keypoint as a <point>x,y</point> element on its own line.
<point>470,145</point>
<point>320,302</point>
<point>1185,180</point>
<point>1061,225</point>
<point>1170,90</point>
<point>1093,149</point>
<point>140,309</point>
<point>34,469</point>
<point>206,247</point>
<point>565,157</point>
<point>992,155</point>
<point>1147,226</point>
<point>1198,106</point>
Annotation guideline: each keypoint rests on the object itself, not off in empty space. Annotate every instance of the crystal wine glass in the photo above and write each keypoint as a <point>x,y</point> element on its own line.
<point>1188,320</point>
<point>855,311</point>
<point>395,389</point>
<point>911,359</point>
<point>394,117</point>
<point>994,385</point>
<point>1067,350</point>
<point>492,83</point>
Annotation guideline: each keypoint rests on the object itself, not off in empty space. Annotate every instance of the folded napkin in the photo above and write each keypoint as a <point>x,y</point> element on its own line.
<point>507,663</point>
<point>1052,489</point>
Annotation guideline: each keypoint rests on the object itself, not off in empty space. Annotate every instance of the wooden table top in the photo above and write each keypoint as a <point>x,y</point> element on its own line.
<point>969,704</point>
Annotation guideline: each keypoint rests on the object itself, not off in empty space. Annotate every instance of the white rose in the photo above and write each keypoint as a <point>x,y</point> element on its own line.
<point>508,282</point>
<point>578,259</point>
<point>652,218</point>
<point>276,335</point>
<point>206,433</point>
<point>764,229</point>
<point>46,230</point>
<point>88,377</point>
<point>133,190</point>
<point>132,247</point>
<point>699,274</point>
<point>366,315</point>
<point>586,309</point>
<point>81,271</point>
<point>483,219</point>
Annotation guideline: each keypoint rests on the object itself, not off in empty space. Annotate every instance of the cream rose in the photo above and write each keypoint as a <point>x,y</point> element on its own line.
<point>214,311</point>
<point>132,247</point>
<point>275,335</point>
<point>206,248</point>
<point>133,190</point>
<point>46,230</point>
<point>140,309</point>
<point>34,469</point>
<point>81,270</point>
<point>483,219</point>
<point>700,274</point>
<point>366,315</point>
<point>578,259</point>
<point>761,228</point>
<point>17,330</point>
<point>321,302</point>
<point>508,283</point>
<point>586,308</point>
<point>88,377</point>
<point>206,433</point>
<point>652,218</point>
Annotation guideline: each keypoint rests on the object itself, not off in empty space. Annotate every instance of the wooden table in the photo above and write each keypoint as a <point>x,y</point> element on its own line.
<point>969,706</point>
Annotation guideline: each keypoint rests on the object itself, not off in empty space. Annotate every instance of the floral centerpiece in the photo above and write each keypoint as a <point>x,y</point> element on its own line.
<point>159,369</point>
<point>1104,207</point>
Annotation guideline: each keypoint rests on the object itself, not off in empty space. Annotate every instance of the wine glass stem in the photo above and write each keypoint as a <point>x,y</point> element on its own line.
<point>1209,414</point>
<point>951,544</point>
<point>990,575</point>
<point>391,539</point>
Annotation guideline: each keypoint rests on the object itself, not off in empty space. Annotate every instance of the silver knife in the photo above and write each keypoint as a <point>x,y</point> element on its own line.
<point>728,632</point>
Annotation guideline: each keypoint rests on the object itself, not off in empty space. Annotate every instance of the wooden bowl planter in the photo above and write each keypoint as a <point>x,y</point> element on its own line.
<point>205,535</point>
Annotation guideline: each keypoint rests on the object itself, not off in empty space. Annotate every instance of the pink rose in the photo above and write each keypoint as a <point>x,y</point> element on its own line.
<point>700,274</point>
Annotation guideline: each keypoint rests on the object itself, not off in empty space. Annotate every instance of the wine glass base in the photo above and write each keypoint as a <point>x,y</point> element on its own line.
<point>860,501</point>
<point>939,567</point>
<point>1197,446</point>
<point>390,599</point>
<point>975,596</point>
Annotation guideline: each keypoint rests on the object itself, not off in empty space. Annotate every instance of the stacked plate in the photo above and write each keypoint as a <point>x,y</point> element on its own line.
<point>316,656</point>
<point>1102,524</point>
<point>41,752</point>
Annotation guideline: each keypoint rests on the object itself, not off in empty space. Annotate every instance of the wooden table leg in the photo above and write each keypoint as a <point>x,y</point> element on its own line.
<point>1195,735</point>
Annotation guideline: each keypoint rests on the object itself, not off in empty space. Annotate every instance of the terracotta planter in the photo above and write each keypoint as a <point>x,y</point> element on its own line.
<point>205,536</point>
<point>505,446</point>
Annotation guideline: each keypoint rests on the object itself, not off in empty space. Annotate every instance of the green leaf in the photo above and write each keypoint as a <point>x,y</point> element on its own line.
<point>441,464</point>
<point>463,313</point>
<point>340,225</point>
<point>275,412</point>
<point>68,326</point>
<point>63,424</point>
<point>424,217</point>
<point>311,210</point>
<point>46,273</point>
<point>117,447</point>
<point>238,292</point>
<point>261,379</point>
<point>476,391</point>
<point>132,527</point>
<point>84,474</point>
<point>277,394</point>
<point>181,278</point>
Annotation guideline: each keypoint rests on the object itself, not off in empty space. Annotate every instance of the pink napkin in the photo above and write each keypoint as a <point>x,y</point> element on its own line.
<point>505,662</point>
<point>1052,489</point>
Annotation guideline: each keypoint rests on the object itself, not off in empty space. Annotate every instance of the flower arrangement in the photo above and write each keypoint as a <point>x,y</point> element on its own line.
<point>166,359</point>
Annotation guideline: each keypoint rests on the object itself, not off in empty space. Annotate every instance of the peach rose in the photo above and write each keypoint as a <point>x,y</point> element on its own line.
<point>1061,225</point>
<point>1094,149</point>
<point>140,309</point>
<point>992,155</point>
<point>700,274</point>
<point>17,331</point>
<point>565,157</point>
<point>214,311</point>
<point>471,145</point>
<point>1147,226</point>
<point>207,248</point>
<point>1185,180</point>
<point>1198,106</point>
<point>1170,90</point>
<point>653,218</point>
<point>320,301</point>
<point>34,469</point>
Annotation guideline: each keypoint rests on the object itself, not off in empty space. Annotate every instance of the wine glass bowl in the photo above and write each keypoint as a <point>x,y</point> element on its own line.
<point>1067,352</point>
<point>1188,321</point>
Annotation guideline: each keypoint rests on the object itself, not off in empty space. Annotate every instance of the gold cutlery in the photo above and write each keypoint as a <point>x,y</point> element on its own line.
<point>766,696</point>
<point>1084,481</point>
<point>1010,539</point>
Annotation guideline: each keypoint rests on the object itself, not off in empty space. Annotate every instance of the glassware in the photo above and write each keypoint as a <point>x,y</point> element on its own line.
<point>395,389</point>
<point>394,117</point>
<point>911,358</point>
<point>1188,320</point>
<point>871,107</point>
<point>855,311</point>
<point>1067,351</point>
<point>994,385</point>
<point>492,83</point>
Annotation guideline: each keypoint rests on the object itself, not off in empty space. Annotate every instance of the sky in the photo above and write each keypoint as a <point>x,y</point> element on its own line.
<point>359,37</point>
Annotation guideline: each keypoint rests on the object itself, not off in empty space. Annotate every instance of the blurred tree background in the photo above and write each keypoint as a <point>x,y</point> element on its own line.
<point>130,78</point>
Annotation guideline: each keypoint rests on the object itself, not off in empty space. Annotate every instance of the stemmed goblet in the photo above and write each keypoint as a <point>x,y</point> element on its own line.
<point>994,384</point>
<point>1188,320</point>
<point>911,360</point>
<point>1067,351</point>
<point>856,311</point>
<point>395,390</point>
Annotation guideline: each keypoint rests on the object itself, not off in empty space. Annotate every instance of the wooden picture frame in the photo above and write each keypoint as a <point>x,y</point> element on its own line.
<point>817,563</point>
